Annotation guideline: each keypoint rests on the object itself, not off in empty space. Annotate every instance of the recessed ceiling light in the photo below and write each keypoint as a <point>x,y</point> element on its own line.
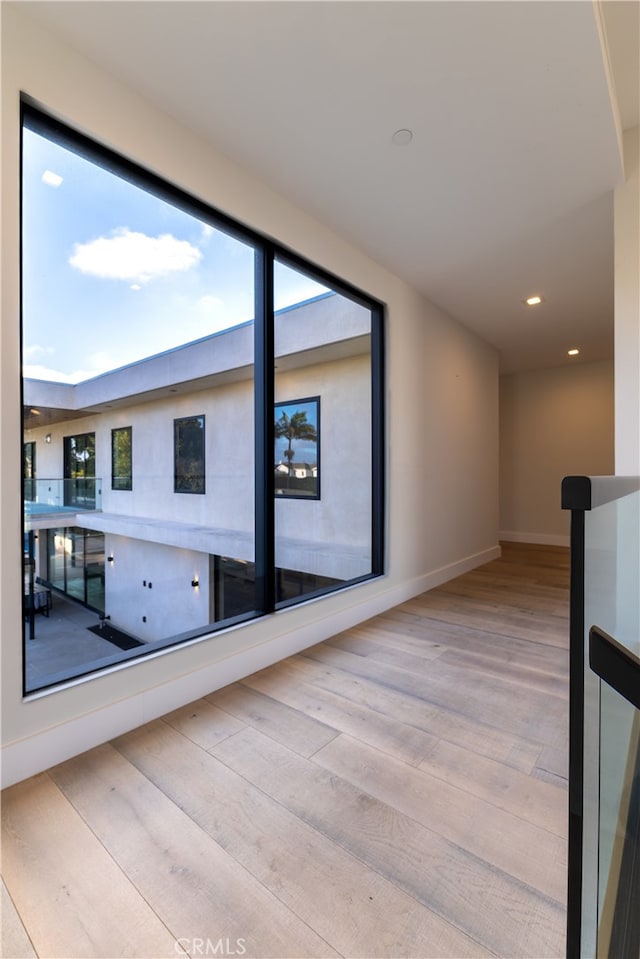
<point>573,352</point>
<point>35,412</point>
<point>402,138</point>
<point>534,300</point>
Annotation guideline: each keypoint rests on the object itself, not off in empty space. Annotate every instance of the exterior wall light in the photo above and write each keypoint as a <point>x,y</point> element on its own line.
<point>47,438</point>
<point>110,558</point>
<point>195,583</point>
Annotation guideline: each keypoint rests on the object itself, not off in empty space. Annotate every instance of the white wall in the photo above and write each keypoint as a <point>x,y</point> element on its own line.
<point>553,423</point>
<point>627,310</point>
<point>442,408</point>
<point>170,605</point>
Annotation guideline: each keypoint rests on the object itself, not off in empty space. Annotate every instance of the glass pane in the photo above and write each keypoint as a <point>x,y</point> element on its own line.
<point>617,839</point>
<point>323,425</point>
<point>94,570</point>
<point>138,318</point>
<point>612,573</point>
<point>121,458</point>
<point>234,585</point>
<point>74,556</point>
<point>80,471</point>
<point>57,545</point>
<point>29,471</point>
<point>189,455</point>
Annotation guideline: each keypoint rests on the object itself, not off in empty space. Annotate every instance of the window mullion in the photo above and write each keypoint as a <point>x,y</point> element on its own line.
<point>264,433</point>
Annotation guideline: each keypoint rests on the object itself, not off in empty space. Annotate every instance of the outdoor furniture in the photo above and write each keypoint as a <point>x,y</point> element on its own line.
<point>42,601</point>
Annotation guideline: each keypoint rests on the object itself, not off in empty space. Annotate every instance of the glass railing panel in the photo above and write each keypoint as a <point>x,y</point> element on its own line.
<point>62,495</point>
<point>618,889</point>
<point>612,574</point>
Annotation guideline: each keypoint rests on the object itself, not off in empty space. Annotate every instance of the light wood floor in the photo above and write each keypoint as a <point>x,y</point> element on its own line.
<point>399,790</point>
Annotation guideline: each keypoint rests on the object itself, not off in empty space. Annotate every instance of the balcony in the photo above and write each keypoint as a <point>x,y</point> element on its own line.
<point>45,498</point>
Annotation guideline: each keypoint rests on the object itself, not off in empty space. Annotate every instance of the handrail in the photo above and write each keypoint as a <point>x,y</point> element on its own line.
<point>617,665</point>
<point>589,492</point>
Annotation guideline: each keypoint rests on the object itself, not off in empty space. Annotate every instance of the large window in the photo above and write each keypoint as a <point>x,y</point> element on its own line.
<point>121,458</point>
<point>194,320</point>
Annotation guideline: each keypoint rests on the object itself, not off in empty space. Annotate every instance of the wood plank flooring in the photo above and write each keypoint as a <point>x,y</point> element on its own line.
<point>397,791</point>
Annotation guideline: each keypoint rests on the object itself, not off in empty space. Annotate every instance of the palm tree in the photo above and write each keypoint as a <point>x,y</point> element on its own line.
<point>294,427</point>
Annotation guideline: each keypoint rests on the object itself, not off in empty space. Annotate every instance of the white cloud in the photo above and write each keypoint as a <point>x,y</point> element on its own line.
<point>100,363</point>
<point>35,350</point>
<point>209,304</point>
<point>128,255</point>
<point>51,178</point>
<point>36,372</point>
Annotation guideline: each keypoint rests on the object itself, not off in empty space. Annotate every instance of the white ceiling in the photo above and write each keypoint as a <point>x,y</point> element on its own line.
<point>506,188</point>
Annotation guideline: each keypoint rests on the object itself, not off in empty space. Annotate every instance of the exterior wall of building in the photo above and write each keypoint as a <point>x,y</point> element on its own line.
<point>149,528</point>
<point>442,422</point>
<point>148,588</point>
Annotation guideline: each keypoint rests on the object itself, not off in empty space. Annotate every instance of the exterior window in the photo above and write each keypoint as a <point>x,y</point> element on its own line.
<point>189,310</point>
<point>297,454</point>
<point>188,451</point>
<point>75,564</point>
<point>80,470</point>
<point>29,471</point>
<point>121,459</point>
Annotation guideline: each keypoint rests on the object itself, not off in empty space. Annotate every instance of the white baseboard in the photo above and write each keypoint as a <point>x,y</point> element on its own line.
<point>538,539</point>
<point>33,754</point>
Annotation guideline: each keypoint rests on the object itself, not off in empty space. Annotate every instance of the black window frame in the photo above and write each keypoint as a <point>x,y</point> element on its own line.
<point>124,480</point>
<point>266,251</point>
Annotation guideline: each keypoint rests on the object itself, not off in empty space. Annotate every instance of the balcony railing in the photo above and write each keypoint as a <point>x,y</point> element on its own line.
<point>62,495</point>
<point>603,909</point>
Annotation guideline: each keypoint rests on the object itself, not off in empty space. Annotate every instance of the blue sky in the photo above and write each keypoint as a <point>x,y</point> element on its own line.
<point>112,274</point>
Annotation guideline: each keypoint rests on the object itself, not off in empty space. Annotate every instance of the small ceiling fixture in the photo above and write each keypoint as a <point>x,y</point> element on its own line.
<point>573,352</point>
<point>535,300</point>
<point>402,138</point>
<point>34,412</point>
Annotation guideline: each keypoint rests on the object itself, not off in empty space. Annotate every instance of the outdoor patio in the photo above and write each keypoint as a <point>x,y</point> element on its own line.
<point>62,641</point>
